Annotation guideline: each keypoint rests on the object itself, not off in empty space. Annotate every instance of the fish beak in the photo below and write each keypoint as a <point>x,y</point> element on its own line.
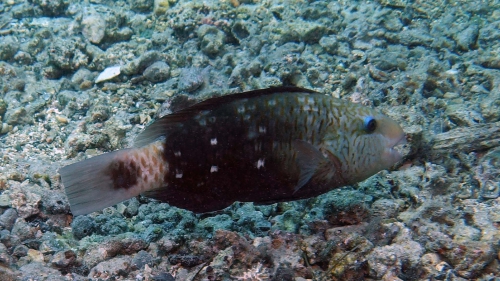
<point>395,140</point>
<point>392,153</point>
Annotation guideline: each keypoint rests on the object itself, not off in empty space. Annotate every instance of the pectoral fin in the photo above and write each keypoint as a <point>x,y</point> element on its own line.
<point>309,160</point>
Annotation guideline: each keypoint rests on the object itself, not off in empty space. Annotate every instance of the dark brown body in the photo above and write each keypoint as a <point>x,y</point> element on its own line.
<point>253,155</point>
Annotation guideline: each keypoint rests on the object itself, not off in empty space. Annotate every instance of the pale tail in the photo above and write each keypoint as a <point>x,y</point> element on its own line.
<point>89,184</point>
<point>110,178</point>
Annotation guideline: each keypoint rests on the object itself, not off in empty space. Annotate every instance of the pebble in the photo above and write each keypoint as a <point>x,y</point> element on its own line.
<point>62,119</point>
<point>108,74</point>
<point>94,27</point>
<point>157,72</point>
<point>63,259</point>
<point>161,6</point>
<point>212,40</point>
<point>5,200</point>
<point>8,47</point>
<point>112,268</point>
<point>9,216</point>
<point>5,128</point>
<point>467,37</point>
<point>35,255</point>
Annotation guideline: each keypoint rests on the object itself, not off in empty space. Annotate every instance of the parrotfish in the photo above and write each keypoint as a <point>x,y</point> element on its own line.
<point>263,146</point>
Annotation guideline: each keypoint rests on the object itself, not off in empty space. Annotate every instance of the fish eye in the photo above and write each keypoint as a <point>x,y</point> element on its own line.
<point>370,124</point>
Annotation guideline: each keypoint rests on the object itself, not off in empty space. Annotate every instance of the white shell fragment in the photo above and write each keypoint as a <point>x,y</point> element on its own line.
<point>108,73</point>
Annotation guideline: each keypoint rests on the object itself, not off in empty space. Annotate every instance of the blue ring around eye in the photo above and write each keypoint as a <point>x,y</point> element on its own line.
<point>370,124</point>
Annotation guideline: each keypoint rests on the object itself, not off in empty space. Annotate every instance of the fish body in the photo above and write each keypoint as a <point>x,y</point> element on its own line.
<point>264,146</point>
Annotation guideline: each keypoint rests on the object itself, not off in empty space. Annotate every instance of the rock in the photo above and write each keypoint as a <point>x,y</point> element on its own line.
<point>18,116</point>
<point>240,30</point>
<point>22,11</point>
<point>50,243</point>
<point>35,256</point>
<point>470,258</point>
<point>466,39</point>
<point>329,43</point>
<point>140,64</point>
<point>414,37</point>
<point>37,271</point>
<point>163,276</point>
<point>65,55</point>
<point>211,224</point>
<point>488,174</point>
<point>211,40</point>
<point>161,6</point>
<point>385,208</point>
<point>4,129</point>
<point>54,202</point>
<point>157,72</point>
<point>83,226</point>
<point>111,269</point>
<point>81,75</point>
<point>94,27</point>
<point>63,259</point>
<point>20,251</point>
<point>141,259</point>
<point>120,34</point>
<point>191,79</point>
<point>51,7</point>
<point>132,208</point>
<point>8,47</point>
<point>111,248</point>
<point>185,260</point>
<point>3,107</point>
<point>392,259</point>
<point>152,233</point>
<point>142,6</point>
<point>8,218</point>
<point>490,32</point>
<point>5,258</point>
<point>99,113</point>
<point>17,85</point>
<point>463,115</point>
<point>23,230</point>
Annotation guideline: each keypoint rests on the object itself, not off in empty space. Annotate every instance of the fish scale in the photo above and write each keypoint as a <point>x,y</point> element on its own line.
<point>264,146</point>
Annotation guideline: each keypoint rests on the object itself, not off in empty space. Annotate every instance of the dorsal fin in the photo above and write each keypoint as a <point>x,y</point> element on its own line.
<point>160,127</point>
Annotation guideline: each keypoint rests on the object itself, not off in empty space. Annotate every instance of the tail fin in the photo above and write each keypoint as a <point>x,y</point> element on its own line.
<point>100,181</point>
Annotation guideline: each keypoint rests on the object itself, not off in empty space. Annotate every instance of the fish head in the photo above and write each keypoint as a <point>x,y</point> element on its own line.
<point>369,143</point>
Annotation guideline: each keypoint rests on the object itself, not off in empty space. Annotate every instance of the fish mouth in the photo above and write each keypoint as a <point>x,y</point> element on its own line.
<point>394,149</point>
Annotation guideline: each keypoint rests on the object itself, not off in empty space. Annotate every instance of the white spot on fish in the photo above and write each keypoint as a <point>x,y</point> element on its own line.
<point>214,169</point>
<point>177,154</point>
<point>241,109</point>
<point>213,141</point>
<point>258,146</point>
<point>271,102</point>
<point>262,129</point>
<point>260,163</point>
<point>178,175</point>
